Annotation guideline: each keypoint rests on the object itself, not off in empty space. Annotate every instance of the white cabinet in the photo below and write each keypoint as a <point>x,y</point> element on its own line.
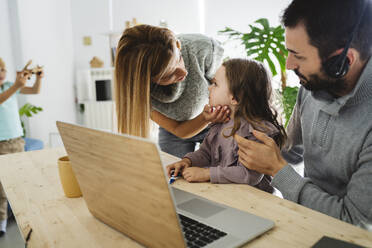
<point>95,92</point>
<point>95,84</point>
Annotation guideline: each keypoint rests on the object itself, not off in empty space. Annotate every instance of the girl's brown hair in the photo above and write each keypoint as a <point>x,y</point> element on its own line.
<point>143,53</point>
<point>250,85</point>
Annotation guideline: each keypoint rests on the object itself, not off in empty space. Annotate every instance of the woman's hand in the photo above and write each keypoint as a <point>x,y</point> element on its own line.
<point>178,166</point>
<point>216,114</point>
<point>196,174</point>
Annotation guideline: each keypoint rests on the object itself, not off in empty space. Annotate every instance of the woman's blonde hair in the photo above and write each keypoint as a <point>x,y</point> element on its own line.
<point>143,54</point>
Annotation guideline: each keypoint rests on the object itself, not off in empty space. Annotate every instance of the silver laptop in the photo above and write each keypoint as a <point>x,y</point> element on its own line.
<point>125,185</point>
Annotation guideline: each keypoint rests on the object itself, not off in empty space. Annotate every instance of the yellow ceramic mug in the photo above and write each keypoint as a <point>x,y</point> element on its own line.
<point>68,180</point>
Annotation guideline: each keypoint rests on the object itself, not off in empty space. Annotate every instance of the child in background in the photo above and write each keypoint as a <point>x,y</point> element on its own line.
<point>244,85</point>
<point>11,131</point>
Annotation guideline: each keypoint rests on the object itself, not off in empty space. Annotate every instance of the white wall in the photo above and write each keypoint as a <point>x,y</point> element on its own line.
<point>90,18</point>
<point>237,14</point>
<point>46,38</point>
<point>181,16</point>
<point>6,52</point>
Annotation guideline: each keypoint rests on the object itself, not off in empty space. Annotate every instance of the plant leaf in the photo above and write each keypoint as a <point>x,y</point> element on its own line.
<point>289,101</point>
<point>252,44</point>
<point>271,65</point>
<point>264,22</point>
<point>281,59</point>
<point>29,110</point>
<point>253,51</point>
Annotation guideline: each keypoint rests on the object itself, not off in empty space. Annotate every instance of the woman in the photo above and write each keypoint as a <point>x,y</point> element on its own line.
<point>165,77</point>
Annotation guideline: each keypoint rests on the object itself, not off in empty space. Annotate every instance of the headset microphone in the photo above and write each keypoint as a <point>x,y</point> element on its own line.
<point>337,66</point>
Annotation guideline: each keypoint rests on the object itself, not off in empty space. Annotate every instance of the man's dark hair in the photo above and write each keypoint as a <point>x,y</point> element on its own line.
<point>329,24</point>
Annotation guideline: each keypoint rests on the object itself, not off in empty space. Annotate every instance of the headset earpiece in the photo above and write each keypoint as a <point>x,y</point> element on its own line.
<point>337,66</point>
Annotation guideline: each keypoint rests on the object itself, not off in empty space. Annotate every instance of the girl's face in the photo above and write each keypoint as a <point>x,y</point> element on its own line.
<point>176,71</point>
<point>2,75</point>
<point>219,93</point>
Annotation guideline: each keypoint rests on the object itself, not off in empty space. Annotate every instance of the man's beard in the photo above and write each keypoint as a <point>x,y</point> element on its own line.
<point>316,83</point>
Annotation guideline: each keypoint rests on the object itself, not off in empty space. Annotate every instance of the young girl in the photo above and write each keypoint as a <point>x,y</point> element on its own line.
<point>244,86</point>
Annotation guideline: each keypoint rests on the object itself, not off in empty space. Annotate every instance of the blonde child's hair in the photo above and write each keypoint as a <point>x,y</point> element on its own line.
<point>143,54</point>
<point>2,63</point>
<point>250,84</point>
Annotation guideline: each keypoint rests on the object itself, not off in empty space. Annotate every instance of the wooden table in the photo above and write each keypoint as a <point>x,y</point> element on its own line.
<point>31,182</point>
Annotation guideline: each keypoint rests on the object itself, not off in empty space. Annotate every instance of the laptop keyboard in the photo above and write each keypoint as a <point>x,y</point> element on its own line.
<point>198,234</point>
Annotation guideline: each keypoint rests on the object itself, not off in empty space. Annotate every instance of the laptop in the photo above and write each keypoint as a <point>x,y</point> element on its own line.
<point>124,185</point>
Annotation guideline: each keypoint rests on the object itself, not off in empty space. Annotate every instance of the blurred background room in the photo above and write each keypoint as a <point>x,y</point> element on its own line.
<point>75,42</point>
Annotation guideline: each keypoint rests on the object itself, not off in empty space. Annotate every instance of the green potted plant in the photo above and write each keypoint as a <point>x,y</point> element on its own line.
<point>266,44</point>
<point>28,110</point>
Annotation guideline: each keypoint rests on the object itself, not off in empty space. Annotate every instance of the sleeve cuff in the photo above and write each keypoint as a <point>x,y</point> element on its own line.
<point>289,183</point>
<point>197,159</point>
<point>213,174</point>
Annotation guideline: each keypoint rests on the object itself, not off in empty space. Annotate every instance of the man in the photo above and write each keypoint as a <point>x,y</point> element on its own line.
<point>331,125</point>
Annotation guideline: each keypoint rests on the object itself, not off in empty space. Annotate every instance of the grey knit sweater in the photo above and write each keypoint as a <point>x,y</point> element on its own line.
<point>334,138</point>
<point>185,100</point>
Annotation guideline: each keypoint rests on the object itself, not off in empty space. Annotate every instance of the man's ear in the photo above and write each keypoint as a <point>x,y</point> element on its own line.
<point>352,55</point>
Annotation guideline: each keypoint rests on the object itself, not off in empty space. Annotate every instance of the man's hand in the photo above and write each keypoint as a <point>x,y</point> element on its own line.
<point>196,174</point>
<point>217,114</point>
<point>264,158</point>
<point>178,166</point>
<point>21,78</point>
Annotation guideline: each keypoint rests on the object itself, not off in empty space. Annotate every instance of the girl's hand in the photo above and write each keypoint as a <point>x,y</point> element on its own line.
<point>21,78</point>
<point>216,114</point>
<point>178,166</point>
<point>40,74</point>
<point>196,174</point>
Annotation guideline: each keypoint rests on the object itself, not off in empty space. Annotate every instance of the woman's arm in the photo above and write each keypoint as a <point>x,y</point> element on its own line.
<point>184,129</point>
<point>188,129</point>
